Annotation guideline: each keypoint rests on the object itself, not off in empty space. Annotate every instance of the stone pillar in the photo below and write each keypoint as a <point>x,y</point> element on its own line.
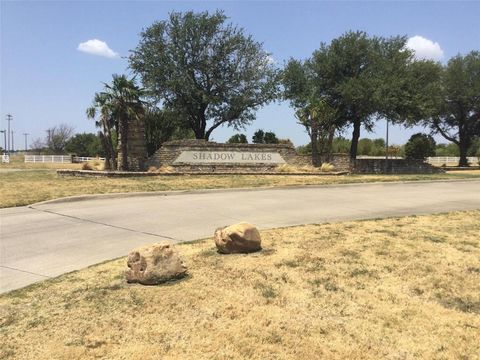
<point>136,146</point>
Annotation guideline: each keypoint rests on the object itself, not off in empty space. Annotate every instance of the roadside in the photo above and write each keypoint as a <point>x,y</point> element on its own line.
<point>19,188</point>
<point>363,289</point>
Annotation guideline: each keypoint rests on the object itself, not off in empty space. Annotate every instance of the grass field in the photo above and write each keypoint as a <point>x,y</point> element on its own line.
<point>26,186</point>
<point>396,289</point>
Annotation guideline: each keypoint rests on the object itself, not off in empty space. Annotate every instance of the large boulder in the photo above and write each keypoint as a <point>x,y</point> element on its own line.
<point>154,264</point>
<point>238,238</point>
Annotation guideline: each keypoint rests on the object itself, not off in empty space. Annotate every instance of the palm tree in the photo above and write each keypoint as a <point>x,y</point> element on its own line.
<point>318,118</point>
<point>118,105</point>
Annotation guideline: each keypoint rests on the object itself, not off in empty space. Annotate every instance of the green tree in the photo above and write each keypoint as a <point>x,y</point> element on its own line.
<point>358,79</point>
<point>474,149</point>
<point>341,145</point>
<point>264,137</point>
<point>457,117</point>
<point>270,138</point>
<point>162,125</point>
<point>300,81</point>
<point>420,146</point>
<point>367,78</point>
<point>238,139</point>
<point>210,71</point>
<point>85,145</point>
<point>258,137</point>
<point>118,105</point>
<point>450,149</point>
<point>58,137</point>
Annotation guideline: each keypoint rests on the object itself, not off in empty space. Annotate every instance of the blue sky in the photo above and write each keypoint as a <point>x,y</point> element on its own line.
<point>46,80</point>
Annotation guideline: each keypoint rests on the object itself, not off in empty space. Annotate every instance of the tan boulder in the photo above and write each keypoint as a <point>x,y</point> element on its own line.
<point>238,238</point>
<point>154,264</point>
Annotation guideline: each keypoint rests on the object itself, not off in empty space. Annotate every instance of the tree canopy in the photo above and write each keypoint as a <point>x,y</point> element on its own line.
<point>119,104</point>
<point>264,137</point>
<point>209,70</point>
<point>237,139</point>
<point>420,146</point>
<point>457,113</point>
<point>85,145</point>
<point>163,125</point>
<point>361,79</point>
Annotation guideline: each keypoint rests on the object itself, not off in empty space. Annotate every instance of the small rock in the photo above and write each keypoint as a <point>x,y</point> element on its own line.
<point>238,238</point>
<point>154,264</point>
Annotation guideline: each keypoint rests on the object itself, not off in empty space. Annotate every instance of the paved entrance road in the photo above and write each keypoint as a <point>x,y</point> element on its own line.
<point>50,239</point>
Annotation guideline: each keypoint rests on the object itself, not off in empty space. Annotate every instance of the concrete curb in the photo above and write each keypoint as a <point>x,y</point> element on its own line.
<point>113,174</point>
<point>77,198</point>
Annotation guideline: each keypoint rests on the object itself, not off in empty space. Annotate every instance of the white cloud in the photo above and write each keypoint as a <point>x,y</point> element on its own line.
<point>97,47</point>
<point>425,49</point>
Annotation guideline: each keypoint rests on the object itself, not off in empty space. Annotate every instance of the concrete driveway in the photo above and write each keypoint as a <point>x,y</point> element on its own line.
<point>49,239</point>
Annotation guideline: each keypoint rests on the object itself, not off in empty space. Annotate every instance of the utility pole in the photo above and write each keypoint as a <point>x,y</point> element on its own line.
<point>386,151</point>
<point>13,145</point>
<point>9,118</point>
<point>26,147</point>
<point>4,140</point>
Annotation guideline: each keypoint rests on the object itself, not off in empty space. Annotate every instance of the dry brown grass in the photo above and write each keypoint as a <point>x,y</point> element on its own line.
<point>397,289</point>
<point>470,172</point>
<point>287,168</point>
<point>17,162</point>
<point>23,187</point>
<point>327,167</point>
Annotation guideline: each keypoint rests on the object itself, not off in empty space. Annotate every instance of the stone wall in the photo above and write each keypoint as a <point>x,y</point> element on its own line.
<point>395,166</point>
<point>170,151</point>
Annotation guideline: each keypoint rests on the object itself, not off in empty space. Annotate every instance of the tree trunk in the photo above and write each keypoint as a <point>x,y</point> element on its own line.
<point>198,130</point>
<point>463,148</point>
<point>355,137</point>
<point>108,155</point>
<point>123,143</point>
<point>331,136</point>
<point>314,142</point>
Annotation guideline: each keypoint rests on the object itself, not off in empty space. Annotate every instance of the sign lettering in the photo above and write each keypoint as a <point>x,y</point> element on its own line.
<point>228,157</point>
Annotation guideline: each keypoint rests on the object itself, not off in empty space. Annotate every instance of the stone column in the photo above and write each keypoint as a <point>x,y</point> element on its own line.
<point>136,146</point>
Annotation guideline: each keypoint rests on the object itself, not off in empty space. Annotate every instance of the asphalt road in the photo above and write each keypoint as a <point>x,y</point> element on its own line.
<point>49,239</point>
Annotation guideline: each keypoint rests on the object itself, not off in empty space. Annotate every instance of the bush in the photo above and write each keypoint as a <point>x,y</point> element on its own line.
<point>420,146</point>
<point>287,168</point>
<point>261,137</point>
<point>238,139</point>
<point>87,166</point>
<point>327,167</point>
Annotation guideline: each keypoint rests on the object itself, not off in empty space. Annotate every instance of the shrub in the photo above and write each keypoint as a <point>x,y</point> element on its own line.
<point>327,167</point>
<point>287,168</point>
<point>238,139</point>
<point>420,146</point>
<point>166,169</point>
<point>87,166</point>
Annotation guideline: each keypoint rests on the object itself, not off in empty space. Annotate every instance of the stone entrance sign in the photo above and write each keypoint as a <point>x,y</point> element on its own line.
<point>205,156</point>
<point>229,157</point>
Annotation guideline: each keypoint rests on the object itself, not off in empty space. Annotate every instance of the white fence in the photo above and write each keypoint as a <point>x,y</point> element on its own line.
<point>48,159</point>
<point>5,158</point>
<point>64,159</point>
<point>451,160</point>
